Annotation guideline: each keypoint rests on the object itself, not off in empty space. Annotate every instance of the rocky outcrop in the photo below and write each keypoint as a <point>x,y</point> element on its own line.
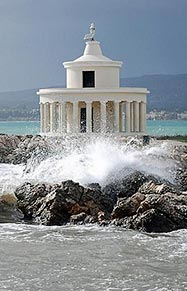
<point>8,144</point>
<point>125,187</point>
<point>136,201</point>
<point>17,149</point>
<point>180,155</point>
<point>8,209</point>
<point>154,208</point>
<point>58,204</point>
<point>28,147</point>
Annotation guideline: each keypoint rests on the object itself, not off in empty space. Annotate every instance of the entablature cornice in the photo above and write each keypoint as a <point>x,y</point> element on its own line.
<point>83,91</point>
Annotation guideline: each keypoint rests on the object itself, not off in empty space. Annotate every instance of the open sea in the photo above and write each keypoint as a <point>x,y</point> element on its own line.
<point>91,258</point>
<point>154,127</point>
<point>79,258</point>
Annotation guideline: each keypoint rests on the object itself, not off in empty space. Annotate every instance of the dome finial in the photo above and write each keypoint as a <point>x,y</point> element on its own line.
<point>90,36</point>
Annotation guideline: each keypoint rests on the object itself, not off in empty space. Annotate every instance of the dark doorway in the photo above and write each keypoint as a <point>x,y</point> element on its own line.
<point>83,120</point>
<point>88,79</point>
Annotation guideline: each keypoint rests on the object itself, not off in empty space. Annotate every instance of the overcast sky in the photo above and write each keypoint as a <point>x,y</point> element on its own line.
<point>37,36</point>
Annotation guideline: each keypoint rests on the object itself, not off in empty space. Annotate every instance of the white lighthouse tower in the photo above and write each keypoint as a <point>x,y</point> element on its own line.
<point>93,101</point>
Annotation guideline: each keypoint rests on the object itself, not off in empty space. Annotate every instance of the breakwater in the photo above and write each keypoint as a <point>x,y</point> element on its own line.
<point>96,180</point>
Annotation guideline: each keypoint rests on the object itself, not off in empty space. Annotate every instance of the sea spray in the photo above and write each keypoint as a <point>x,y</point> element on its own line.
<point>10,177</point>
<point>102,160</point>
<point>98,160</point>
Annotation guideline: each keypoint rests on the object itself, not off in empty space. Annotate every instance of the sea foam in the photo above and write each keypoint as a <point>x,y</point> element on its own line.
<point>96,160</point>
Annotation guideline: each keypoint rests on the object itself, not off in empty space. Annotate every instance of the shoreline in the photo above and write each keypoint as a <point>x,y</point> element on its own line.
<point>154,128</point>
<point>136,201</point>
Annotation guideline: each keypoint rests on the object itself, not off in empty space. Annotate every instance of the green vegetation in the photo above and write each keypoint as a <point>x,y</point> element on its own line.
<point>181,138</point>
<point>19,114</point>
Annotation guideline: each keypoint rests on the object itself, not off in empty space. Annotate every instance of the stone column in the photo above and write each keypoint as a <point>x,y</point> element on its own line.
<point>127,121</point>
<point>75,117</point>
<point>41,117</point>
<point>142,117</point>
<point>132,116</point>
<point>57,118</point>
<point>62,117</point>
<point>52,117</point>
<point>123,117</point>
<point>103,116</point>
<point>137,117</point>
<point>116,116</point>
<point>46,117</point>
<point>88,116</point>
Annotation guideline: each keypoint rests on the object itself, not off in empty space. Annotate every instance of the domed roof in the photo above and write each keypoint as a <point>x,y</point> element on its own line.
<point>92,53</point>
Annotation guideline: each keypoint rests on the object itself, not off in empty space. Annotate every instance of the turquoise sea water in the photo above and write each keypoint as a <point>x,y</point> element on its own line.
<point>154,127</point>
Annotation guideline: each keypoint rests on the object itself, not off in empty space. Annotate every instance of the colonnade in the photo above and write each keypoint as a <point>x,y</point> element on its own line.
<point>64,117</point>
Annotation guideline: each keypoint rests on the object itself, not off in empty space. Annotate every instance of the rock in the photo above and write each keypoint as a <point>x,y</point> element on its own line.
<point>90,219</point>
<point>155,208</point>
<point>95,186</point>
<point>8,143</point>
<point>180,155</point>
<point>8,210</point>
<point>57,204</point>
<point>17,149</point>
<point>30,146</point>
<point>127,207</point>
<point>181,177</point>
<point>153,221</point>
<point>137,201</point>
<point>77,218</point>
<point>157,187</point>
<point>167,213</point>
<point>125,187</point>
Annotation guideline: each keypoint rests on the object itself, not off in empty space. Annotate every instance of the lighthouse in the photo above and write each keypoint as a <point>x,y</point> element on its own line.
<point>93,101</point>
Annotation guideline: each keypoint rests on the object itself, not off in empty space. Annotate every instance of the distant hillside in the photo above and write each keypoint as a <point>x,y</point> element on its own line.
<point>167,92</point>
<point>22,100</point>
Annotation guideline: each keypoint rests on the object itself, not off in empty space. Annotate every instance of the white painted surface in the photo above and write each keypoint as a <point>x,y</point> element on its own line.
<point>106,70</point>
<point>109,102</point>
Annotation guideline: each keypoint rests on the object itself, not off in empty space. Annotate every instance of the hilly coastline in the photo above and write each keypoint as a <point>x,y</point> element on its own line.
<point>167,92</point>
